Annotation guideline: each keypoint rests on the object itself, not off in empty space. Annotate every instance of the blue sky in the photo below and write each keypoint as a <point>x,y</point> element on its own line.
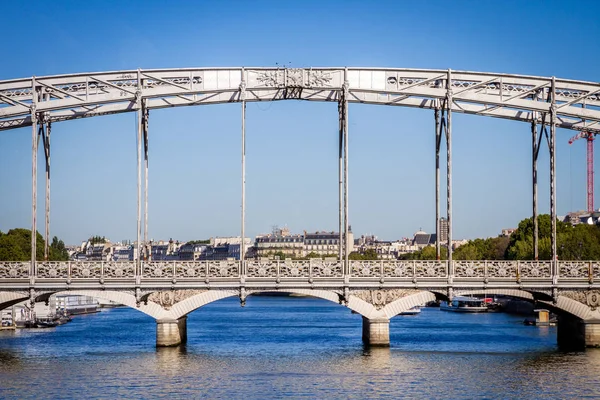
<point>194,189</point>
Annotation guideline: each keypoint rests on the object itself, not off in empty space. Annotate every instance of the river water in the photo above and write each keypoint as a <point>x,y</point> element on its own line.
<point>289,347</point>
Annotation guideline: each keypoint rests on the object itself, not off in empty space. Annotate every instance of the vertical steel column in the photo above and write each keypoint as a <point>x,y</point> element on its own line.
<point>534,156</point>
<point>47,154</point>
<point>145,115</point>
<point>340,178</point>
<point>139,177</point>
<point>449,169</point>
<point>553,177</point>
<point>243,227</point>
<point>34,150</point>
<point>438,137</point>
<point>346,225</point>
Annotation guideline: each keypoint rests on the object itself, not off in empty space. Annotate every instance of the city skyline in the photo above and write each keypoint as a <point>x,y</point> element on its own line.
<point>194,172</point>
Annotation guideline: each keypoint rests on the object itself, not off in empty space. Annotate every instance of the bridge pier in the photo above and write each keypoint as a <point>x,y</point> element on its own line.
<point>376,332</point>
<point>171,332</point>
<point>576,334</point>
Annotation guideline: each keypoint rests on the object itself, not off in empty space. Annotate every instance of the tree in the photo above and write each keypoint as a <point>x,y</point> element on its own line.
<point>369,254</point>
<point>10,249</point>
<point>97,239</point>
<point>15,245</point>
<point>579,242</point>
<point>57,250</point>
<point>202,241</point>
<point>426,253</point>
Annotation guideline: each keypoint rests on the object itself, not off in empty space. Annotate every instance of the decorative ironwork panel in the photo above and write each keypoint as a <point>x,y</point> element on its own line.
<point>596,269</point>
<point>469,269</point>
<point>223,269</point>
<point>294,269</point>
<point>294,78</point>
<point>365,269</point>
<point>430,269</point>
<point>53,269</point>
<point>158,269</point>
<point>398,269</point>
<point>575,269</point>
<point>324,268</point>
<point>535,269</point>
<point>119,269</point>
<point>502,269</point>
<point>86,269</point>
<point>191,269</point>
<point>11,269</point>
<point>262,268</point>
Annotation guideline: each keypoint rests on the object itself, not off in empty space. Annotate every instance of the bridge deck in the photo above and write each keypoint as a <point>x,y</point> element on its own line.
<point>299,273</point>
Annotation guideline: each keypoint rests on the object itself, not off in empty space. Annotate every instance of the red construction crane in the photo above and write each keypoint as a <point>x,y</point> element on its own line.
<point>590,166</point>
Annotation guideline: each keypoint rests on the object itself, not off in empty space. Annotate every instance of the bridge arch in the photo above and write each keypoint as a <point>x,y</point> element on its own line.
<point>408,302</point>
<point>184,307</point>
<point>127,299</point>
<point>9,299</point>
<point>563,305</point>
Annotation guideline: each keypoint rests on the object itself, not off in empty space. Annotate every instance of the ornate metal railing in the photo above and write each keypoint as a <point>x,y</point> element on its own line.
<point>14,270</point>
<point>313,268</point>
<point>503,269</point>
<point>191,269</point>
<point>399,269</point>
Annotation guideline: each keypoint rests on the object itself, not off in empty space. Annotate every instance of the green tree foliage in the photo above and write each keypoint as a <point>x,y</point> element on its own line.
<point>312,254</point>
<point>203,241</point>
<point>482,249</point>
<point>58,252</point>
<point>426,253</point>
<point>369,254</point>
<point>579,242</point>
<point>15,245</point>
<point>97,239</point>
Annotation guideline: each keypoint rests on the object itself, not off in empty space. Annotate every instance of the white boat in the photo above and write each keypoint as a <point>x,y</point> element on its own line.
<point>411,311</point>
<point>464,304</point>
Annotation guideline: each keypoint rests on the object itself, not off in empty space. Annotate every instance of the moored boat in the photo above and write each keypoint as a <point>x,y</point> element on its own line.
<point>412,311</point>
<point>464,304</point>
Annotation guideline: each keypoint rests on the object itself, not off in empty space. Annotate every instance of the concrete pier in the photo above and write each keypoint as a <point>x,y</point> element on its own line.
<point>376,332</point>
<point>171,332</point>
<point>592,333</point>
<point>576,334</point>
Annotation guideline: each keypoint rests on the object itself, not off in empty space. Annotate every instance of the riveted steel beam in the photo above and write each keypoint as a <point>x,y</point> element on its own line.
<point>242,88</point>
<point>145,114</point>
<point>438,142</point>
<point>449,171</point>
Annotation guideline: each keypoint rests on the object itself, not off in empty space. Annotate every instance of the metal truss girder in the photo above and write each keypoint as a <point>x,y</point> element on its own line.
<point>498,95</point>
<point>228,97</point>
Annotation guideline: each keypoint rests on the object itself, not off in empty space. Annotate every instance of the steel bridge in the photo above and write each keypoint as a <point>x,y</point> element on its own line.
<point>378,290</point>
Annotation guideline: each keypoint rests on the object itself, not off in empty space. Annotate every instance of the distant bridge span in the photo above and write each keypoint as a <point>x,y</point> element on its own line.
<point>378,291</point>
